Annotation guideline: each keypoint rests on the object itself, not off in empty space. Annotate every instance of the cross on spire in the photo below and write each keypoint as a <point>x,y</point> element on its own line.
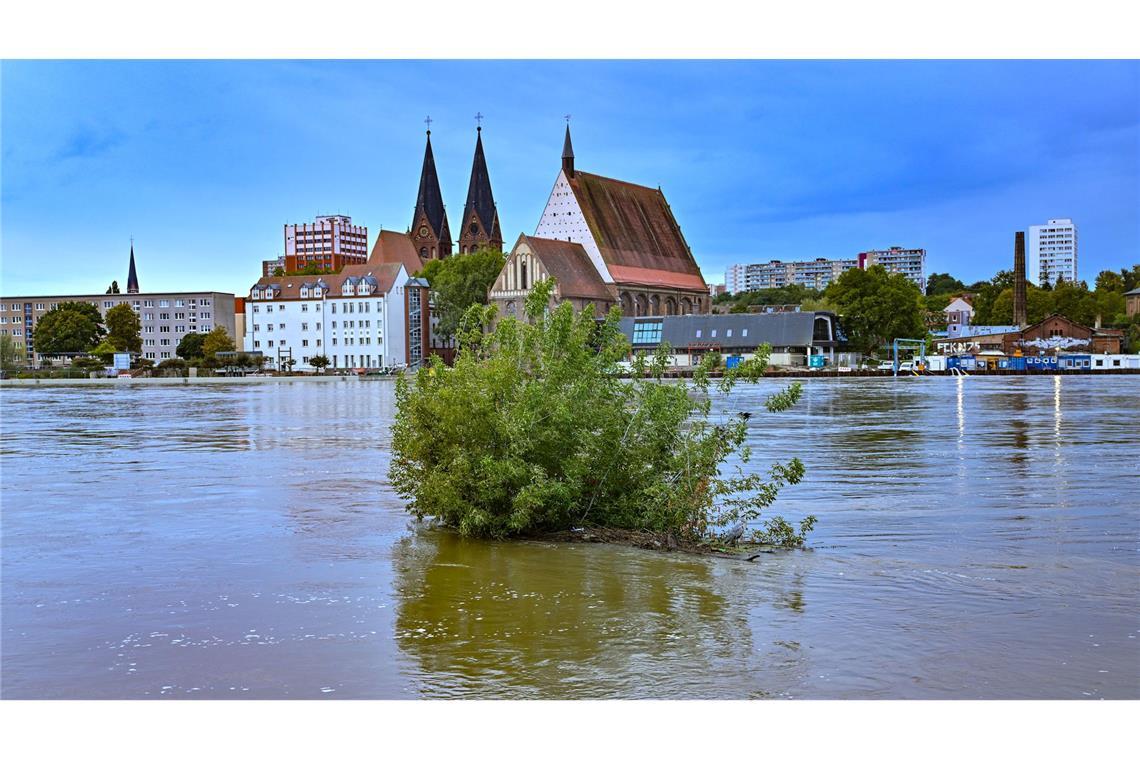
<point>428,121</point>
<point>479,121</point>
<point>567,117</point>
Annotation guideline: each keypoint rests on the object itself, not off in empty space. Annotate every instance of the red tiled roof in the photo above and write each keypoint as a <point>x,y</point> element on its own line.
<point>393,247</point>
<point>570,265</point>
<point>290,286</point>
<point>636,232</point>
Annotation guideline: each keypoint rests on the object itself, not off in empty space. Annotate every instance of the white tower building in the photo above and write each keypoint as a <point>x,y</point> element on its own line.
<point>1052,252</point>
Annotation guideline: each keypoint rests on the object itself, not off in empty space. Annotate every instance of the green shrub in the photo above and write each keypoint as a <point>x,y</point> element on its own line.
<point>533,430</point>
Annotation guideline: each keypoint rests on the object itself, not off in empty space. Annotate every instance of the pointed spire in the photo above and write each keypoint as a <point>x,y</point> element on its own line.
<point>568,152</point>
<point>429,201</point>
<point>132,276</point>
<point>480,218</point>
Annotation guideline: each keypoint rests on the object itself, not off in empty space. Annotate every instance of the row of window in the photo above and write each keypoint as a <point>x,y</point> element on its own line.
<point>146,304</point>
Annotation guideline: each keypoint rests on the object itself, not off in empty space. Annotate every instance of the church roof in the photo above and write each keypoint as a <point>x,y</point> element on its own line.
<point>429,201</point>
<point>479,196</point>
<point>570,265</point>
<point>395,247</point>
<point>636,233</point>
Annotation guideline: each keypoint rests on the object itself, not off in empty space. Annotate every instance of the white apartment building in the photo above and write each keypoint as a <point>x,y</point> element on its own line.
<point>817,273</point>
<point>1052,252</point>
<point>906,261</point>
<point>357,318</point>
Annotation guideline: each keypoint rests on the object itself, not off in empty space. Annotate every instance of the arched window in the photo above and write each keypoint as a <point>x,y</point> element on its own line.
<point>686,305</point>
<point>655,306</point>
<point>423,252</point>
<point>626,304</point>
<point>640,305</point>
<point>670,306</point>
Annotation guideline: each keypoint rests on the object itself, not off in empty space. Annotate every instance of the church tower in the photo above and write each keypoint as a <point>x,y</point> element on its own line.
<point>480,223</point>
<point>132,276</point>
<point>429,231</point>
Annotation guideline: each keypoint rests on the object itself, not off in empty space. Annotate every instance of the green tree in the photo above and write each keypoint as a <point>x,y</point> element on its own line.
<point>278,271</point>
<point>190,347</point>
<point>70,327</point>
<point>876,307</point>
<point>216,340</point>
<point>943,285</point>
<point>1073,300</point>
<point>458,282</point>
<point>1109,280</point>
<point>320,362</point>
<point>123,328</point>
<point>10,357</point>
<point>533,430</point>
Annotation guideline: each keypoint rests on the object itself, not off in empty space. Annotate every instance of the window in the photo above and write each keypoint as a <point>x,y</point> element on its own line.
<point>164,315</point>
<point>728,333</point>
<point>304,343</point>
<point>698,333</point>
<point>304,306</point>
<point>647,332</point>
<point>271,344</point>
<point>39,307</point>
<point>744,333</point>
<point>256,308</point>
<point>304,325</point>
<point>164,304</point>
<point>257,344</point>
<point>281,326</point>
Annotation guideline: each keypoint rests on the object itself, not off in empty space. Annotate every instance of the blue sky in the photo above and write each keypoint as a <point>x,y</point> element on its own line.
<point>203,162</point>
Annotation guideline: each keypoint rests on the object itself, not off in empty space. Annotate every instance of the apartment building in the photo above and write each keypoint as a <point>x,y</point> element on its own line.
<point>356,318</point>
<point>817,273</point>
<point>165,318</point>
<point>1052,252</point>
<point>330,242</point>
<point>906,261</point>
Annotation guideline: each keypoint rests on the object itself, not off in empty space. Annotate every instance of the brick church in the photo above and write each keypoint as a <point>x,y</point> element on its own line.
<point>605,241</point>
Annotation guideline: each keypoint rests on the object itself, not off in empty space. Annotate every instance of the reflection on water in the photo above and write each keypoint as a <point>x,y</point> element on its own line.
<point>978,538</point>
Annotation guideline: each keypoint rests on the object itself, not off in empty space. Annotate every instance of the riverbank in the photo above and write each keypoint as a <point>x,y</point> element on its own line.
<point>247,380</point>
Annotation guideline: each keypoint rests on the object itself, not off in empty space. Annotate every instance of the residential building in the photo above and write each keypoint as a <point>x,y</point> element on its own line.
<point>817,273</point>
<point>1052,252</point>
<point>355,317</point>
<point>330,242</point>
<point>629,235</point>
<point>479,226</point>
<point>716,289</point>
<point>958,313</point>
<point>906,261</point>
<point>269,266</point>
<point>793,336</point>
<point>165,318</point>
<point>239,321</point>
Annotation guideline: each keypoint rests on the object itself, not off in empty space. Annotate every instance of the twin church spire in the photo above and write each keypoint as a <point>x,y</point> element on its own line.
<point>479,228</point>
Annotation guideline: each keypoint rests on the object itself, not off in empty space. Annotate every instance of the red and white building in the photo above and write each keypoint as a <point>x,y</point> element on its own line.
<point>330,242</point>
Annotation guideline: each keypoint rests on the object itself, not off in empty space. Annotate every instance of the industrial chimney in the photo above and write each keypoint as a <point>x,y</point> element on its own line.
<point>1019,315</point>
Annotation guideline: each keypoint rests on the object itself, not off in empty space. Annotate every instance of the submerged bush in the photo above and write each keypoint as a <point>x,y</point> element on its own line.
<point>534,430</point>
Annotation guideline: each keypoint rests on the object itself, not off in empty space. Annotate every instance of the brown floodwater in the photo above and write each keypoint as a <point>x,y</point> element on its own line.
<point>977,538</point>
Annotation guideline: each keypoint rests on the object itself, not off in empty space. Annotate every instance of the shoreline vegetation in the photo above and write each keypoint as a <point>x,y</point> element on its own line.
<point>536,431</point>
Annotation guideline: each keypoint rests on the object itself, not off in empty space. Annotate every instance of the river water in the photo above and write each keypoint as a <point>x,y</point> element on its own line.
<point>977,538</point>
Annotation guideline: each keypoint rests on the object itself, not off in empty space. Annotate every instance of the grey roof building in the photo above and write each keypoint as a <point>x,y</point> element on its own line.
<point>789,333</point>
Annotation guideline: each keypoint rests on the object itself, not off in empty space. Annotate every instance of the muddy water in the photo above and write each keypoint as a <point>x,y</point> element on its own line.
<point>977,538</point>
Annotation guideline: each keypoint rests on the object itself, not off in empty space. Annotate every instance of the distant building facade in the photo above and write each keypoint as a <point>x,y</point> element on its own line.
<point>330,242</point>
<point>1052,252</point>
<point>817,274</point>
<point>959,312</point>
<point>269,266</point>
<point>1132,302</point>
<point>820,272</point>
<point>910,262</point>
<point>165,318</point>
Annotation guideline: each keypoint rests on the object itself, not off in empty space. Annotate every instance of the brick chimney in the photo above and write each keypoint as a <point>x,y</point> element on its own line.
<point>1019,314</point>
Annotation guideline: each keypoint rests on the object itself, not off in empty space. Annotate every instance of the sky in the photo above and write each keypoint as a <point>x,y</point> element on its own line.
<point>203,162</point>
